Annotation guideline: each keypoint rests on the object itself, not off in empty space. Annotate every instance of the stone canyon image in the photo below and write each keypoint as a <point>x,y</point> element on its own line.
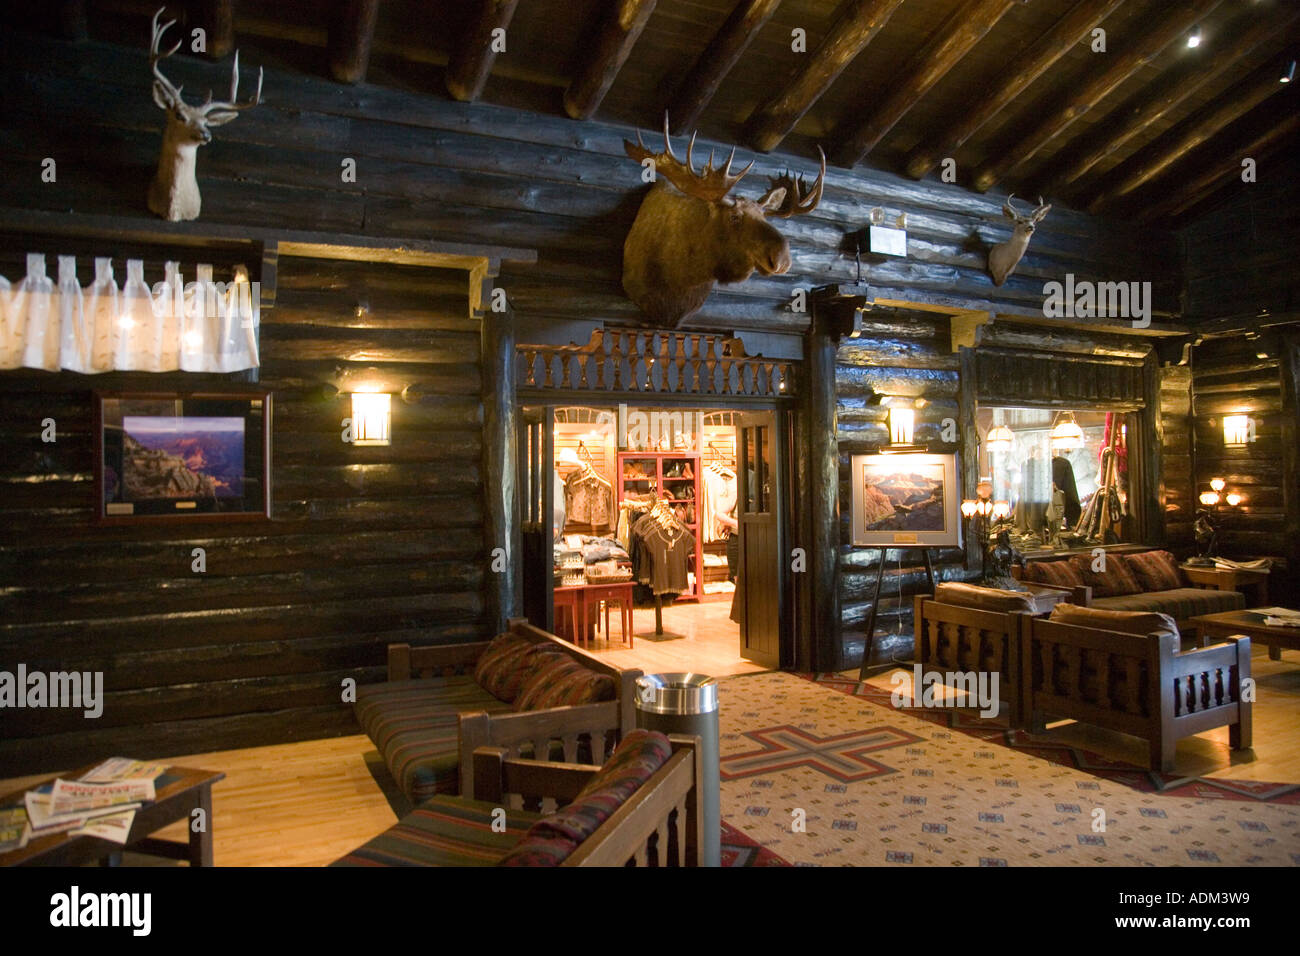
<point>175,457</point>
<point>910,500</point>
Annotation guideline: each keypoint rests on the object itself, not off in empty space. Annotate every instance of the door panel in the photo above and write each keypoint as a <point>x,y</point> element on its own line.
<point>758,589</point>
<point>536,498</point>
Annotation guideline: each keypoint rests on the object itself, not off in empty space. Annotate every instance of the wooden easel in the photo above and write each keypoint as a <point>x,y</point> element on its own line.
<point>875,601</point>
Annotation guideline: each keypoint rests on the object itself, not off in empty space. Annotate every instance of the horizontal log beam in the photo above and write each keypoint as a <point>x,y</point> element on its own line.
<point>711,68</point>
<point>618,34</point>
<point>857,25</point>
<point>1171,23</point>
<point>965,27</point>
<point>471,63</point>
<point>1147,107</point>
<point>1155,159</point>
<point>350,35</point>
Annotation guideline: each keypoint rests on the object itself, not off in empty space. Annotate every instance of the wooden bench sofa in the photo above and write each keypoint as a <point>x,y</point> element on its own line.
<point>642,808</point>
<point>431,714</point>
<point>1136,683</point>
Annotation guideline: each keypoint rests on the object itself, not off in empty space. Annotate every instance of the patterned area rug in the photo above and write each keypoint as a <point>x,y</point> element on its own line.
<point>823,777</point>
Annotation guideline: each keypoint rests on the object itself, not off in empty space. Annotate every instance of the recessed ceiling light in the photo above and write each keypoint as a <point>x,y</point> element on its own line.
<point>1194,38</point>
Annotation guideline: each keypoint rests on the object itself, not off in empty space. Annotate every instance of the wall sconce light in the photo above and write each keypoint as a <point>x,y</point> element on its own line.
<point>902,423</point>
<point>1238,430</point>
<point>1209,498</point>
<point>371,418</point>
<point>1194,38</point>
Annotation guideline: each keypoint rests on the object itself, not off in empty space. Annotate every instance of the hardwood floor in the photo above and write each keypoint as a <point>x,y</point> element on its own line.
<point>307,804</point>
<point>707,641</point>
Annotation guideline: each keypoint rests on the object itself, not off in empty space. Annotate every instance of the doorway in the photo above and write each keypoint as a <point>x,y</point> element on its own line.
<point>652,533</point>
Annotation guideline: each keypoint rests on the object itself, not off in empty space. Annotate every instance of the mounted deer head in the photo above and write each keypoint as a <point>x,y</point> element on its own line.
<point>174,192</point>
<point>690,234</point>
<point>1004,256</point>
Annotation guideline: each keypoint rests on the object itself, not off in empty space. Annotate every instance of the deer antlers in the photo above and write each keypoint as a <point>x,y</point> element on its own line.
<point>1035,216</point>
<point>798,198</point>
<point>213,112</point>
<point>711,184</point>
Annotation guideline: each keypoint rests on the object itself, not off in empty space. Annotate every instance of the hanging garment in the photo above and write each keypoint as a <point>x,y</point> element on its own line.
<point>589,501</point>
<point>557,507</point>
<point>719,494</point>
<point>663,552</point>
<point>74,344</point>
<point>101,309</point>
<point>1063,480</point>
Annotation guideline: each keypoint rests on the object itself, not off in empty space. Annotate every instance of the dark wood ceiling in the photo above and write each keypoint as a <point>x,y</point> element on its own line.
<point>1149,129</point>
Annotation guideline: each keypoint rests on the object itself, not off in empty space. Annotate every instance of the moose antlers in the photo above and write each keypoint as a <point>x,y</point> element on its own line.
<point>796,197</point>
<point>711,184</point>
<point>213,112</point>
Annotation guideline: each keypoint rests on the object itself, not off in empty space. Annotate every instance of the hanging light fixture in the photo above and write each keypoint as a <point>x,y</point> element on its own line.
<point>1066,434</point>
<point>999,438</point>
<point>1194,38</point>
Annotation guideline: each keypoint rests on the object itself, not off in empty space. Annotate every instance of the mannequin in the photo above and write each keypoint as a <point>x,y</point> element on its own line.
<point>1063,480</point>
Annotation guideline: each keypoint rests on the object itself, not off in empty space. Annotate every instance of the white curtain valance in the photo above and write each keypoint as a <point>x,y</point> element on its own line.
<point>200,326</point>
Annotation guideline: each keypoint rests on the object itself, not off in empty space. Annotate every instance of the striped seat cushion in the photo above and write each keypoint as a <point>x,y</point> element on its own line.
<point>444,831</point>
<point>1179,603</point>
<point>1155,570</point>
<point>414,725</point>
<point>1060,573</point>
<point>564,683</point>
<point>1115,580</point>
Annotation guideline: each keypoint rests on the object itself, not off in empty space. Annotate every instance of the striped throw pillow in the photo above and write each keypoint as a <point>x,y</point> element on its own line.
<point>1155,570</point>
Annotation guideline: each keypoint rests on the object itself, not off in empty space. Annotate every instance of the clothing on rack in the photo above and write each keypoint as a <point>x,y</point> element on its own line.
<point>718,497</point>
<point>661,548</point>
<point>589,500</point>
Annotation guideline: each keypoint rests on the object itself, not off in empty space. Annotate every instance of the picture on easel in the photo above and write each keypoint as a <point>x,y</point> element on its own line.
<point>905,500</point>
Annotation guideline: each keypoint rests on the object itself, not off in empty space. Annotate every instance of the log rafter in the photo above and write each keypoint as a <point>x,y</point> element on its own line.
<point>618,33</point>
<point>351,33</point>
<point>855,28</point>
<point>965,27</point>
<point>471,63</point>
<point>1171,23</point>
<point>701,83</point>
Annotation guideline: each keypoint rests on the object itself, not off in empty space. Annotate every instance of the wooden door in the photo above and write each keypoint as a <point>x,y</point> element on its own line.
<point>758,509</point>
<point>537,489</point>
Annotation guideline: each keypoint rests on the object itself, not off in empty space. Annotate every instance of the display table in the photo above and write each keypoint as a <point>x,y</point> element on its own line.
<point>180,791</point>
<point>576,603</point>
<point>1251,624</point>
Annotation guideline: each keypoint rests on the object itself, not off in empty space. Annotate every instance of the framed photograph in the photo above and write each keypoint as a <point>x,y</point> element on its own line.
<point>906,500</point>
<point>172,457</point>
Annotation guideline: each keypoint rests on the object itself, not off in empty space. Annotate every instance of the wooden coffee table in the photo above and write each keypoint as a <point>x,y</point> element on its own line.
<point>1228,579</point>
<point>180,792</point>
<point>1250,623</point>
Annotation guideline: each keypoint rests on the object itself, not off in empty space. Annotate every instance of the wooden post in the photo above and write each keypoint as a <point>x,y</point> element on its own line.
<point>503,589</point>
<point>857,25</point>
<point>471,63</point>
<point>1289,369</point>
<point>1147,507</point>
<point>1173,22</point>
<point>824,485</point>
<point>723,52</point>
<point>965,27</point>
<point>970,440</point>
<point>351,32</point>
<point>1058,41</point>
<point>618,34</point>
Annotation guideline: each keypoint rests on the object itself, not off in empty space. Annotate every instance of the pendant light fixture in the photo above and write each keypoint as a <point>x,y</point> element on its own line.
<point>1066,434</point>
<point>999,438</point>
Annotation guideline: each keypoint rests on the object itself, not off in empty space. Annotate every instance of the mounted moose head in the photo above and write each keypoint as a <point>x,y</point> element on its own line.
<point>174,192</point>
<point>1004,256</point>
<point>690,234</point>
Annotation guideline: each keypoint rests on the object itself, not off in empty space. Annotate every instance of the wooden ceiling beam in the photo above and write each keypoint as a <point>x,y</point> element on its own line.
<point>217,18</point>
<point>1171,23</point>
<point>351,33</point>
<point>855,28</point>
<point>1069,30</point>
<point>1146,108</point>
<point>1223,171</point>
<point>1154,159</point>
<point>723,52</point>
<point>619,32</point>
<point>966,26</point>
<point>471,63</point>
<point>73,23</point>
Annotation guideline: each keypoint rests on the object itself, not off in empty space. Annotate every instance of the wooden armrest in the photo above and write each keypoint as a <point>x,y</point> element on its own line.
<point>496,775</point>
<point>405,661</point>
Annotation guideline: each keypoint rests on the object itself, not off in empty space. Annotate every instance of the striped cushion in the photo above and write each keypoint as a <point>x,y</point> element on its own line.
<point>509,661</point>
<point>414,725</point>
<point>445,831</point>
<point>1060,573</point>
<point>1180,603</point>
<point>1154,570</point>
<point>564,684</point>
<point>1115,580</point>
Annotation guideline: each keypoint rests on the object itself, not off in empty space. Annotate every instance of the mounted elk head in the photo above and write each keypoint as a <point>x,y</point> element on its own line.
<point>1004,256</point>
<point>689,233</point>
<point>174,192</point>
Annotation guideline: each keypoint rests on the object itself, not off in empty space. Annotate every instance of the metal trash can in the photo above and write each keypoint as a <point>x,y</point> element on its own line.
<point>688,704</point>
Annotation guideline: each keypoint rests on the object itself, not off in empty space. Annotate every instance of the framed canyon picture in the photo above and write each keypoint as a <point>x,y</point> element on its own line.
<point>172,457</point>
<point>906,500</point>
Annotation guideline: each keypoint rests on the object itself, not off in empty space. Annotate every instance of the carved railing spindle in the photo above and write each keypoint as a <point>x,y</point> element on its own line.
<point>633,357</point>
<point>616,356</point>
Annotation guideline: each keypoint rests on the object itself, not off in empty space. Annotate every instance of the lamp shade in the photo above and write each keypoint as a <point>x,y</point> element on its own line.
<point>969,507</point>
<point>1209,498</point>
<point>901,423</point>
<point>1066,434</point>
<point>1236,430</point>
<point>999,438</point>
<point>371,418</point>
